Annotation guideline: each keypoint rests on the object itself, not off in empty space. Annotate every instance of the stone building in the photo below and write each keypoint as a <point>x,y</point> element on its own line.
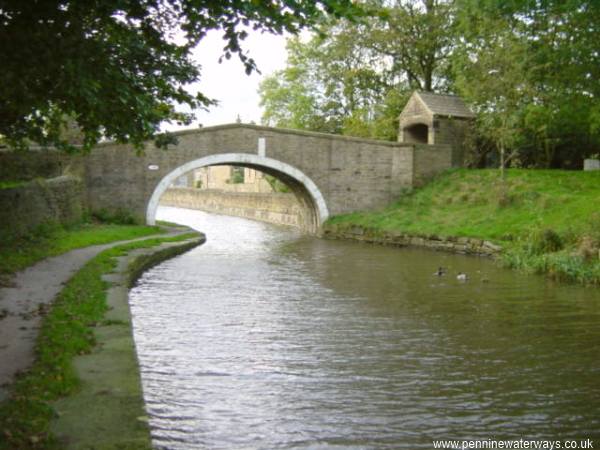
<point>222,177</point>
<point>434,119</point>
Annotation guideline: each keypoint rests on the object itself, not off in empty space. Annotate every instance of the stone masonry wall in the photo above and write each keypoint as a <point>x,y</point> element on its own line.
<point>278,208</point>
<point>453,244</point>
<point>25,207</point>
<point>37,163</point>
<point>345,174</point>
<point>351,173</point>
<point>430,160</point>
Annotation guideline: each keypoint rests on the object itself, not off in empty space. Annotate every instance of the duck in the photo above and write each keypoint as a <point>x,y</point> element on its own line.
<point>462,276</point>
<point>440,272</point>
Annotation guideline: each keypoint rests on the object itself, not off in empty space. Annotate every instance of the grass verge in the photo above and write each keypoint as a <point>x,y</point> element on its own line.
<point>11,184</point>
<point>547,221</point>
<point>67,331</point>
<point>53,239</point>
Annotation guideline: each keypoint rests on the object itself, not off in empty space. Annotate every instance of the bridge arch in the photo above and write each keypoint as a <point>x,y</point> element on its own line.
<point>306,191</point>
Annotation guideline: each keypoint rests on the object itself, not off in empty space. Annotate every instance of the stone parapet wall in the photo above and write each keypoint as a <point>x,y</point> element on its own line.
<point>464,245</point>
<point>23,208</point>
<point>278,208</point>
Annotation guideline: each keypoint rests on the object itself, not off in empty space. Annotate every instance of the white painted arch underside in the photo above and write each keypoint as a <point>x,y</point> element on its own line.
<point>238,158</point>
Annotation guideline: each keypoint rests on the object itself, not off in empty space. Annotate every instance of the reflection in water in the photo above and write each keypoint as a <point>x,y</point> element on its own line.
<point>266,339</point>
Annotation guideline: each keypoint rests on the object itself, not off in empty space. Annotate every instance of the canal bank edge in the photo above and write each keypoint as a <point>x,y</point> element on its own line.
<point>462,245</point>
<point>107,412</point>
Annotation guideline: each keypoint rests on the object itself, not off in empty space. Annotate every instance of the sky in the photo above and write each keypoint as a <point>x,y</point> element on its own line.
<point>228,83</point>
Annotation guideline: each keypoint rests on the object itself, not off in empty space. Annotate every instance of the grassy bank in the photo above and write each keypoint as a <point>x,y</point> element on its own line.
<point>546,221</point>
<point>52,239</point>
<point>67,331</point>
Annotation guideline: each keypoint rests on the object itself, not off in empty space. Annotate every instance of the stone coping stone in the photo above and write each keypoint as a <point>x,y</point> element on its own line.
<point>453,244</point>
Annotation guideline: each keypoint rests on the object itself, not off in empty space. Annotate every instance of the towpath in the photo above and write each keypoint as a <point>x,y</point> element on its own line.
<point>22,305</point>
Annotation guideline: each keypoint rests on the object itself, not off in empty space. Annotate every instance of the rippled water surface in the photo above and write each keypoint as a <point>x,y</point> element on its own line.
<point>266,339</point>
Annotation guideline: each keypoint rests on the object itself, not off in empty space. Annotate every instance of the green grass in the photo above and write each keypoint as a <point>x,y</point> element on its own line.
<point>515,214</point>
<point>11,184</point>
<point>51,240</point>
<point>165,223</point>
<point>67,331</point>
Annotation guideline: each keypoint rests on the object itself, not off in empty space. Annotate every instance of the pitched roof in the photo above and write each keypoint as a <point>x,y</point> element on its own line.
<point>445,105</point>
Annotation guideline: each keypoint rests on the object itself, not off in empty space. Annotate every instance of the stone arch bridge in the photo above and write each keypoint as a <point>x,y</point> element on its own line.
<point>329,174</point>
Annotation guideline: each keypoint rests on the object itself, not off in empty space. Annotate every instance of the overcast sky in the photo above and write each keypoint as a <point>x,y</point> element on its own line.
<point>228,83</point>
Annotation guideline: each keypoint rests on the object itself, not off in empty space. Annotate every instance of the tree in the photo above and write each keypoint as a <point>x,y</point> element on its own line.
<point>354,77</point>
<point>418,36</point>
<point>330,82</point>
<point>496,79</point>
<point>290,96</point>
<point>119,67</point>
<point>530,68</point>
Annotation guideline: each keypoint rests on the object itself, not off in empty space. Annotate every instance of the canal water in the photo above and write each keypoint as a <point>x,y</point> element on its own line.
<point>266,339</point>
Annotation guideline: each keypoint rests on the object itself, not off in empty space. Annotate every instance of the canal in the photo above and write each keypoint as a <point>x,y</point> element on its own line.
<point>267,339</point>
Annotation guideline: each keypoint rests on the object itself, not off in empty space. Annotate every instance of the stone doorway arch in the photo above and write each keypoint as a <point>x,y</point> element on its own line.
<point>417,134</point>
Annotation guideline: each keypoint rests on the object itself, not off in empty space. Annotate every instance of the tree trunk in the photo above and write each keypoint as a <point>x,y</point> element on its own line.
<point>502,160</point>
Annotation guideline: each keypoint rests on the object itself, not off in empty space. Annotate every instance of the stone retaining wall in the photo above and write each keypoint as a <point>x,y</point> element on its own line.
<point>278,208</point>
<point>25,207</point>
<point>464,245</point>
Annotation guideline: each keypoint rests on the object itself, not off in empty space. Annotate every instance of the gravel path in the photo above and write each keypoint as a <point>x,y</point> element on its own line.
<point>22,306</point>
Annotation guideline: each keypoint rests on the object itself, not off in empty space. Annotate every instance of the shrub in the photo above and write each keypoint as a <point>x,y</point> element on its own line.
<point>118,216</point>
<point>545,241</point>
